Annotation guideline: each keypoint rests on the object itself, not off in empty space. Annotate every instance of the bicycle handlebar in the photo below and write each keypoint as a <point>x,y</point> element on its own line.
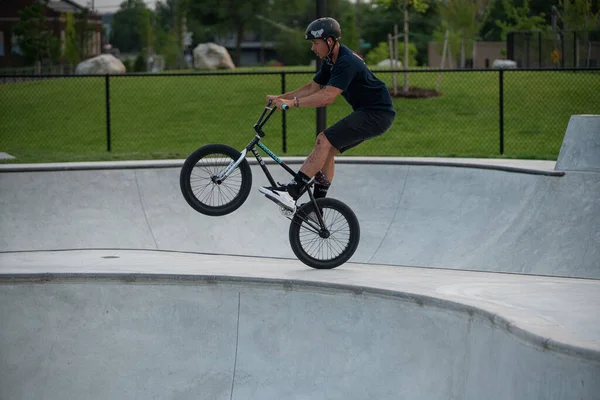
<point>283,106</point>
<point>264,117</point>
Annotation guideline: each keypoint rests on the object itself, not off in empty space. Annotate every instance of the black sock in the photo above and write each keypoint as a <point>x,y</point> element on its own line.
<point>320,190</point>
<point>321,185</point>
<point>301,178</point>
<point>298,187</point>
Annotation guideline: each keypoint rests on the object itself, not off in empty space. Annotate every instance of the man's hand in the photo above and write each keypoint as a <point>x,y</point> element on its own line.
<point>271,98</point>
<point>277,102</point>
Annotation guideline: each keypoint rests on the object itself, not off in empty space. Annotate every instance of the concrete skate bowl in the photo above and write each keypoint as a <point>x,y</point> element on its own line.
<point>428,216</point>
<point>213,336</point>
<point>178,337</point>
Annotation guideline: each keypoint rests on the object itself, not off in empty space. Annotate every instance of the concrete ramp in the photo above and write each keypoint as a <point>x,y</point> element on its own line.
<point>477,219</point>
<point>466,285</point>
<point>185,337</point>
<point>580,149</point>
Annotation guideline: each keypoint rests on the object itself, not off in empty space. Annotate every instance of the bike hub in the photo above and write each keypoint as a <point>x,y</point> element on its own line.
<point>324,233</point>
<point>216,180</point>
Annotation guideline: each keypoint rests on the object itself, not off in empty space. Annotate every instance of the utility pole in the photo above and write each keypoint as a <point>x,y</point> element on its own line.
<point>321,111</point>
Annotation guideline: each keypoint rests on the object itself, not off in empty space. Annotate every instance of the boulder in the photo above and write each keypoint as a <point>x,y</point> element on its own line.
<point>102,64</point>
<point>388,63</point>
<point>504,64</point>
<point>212,56</point>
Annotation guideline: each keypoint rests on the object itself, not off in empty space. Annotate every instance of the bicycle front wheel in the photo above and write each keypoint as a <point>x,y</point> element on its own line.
<point>329,246</point>
<point>204,187</point>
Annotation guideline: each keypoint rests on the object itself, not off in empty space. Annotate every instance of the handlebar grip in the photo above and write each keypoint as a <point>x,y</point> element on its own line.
<point>285,107</point>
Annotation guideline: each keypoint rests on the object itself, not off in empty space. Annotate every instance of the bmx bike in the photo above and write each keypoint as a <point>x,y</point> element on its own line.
<point>215,180</point>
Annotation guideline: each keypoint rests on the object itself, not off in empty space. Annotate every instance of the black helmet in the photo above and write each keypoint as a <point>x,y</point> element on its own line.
<point>323,28</point>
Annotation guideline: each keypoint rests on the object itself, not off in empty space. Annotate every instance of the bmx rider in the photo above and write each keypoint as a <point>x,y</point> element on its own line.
<point>343,72</point>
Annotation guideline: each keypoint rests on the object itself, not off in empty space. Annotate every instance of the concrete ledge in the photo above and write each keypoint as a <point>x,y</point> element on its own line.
<point>236,328</point>
<point>535,167</point>
<point>542,343</point>
<point>455,289</point>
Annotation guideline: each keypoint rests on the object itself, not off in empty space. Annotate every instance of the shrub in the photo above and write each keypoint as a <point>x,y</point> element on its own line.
<point>382,52</point>
<point>140,63</point>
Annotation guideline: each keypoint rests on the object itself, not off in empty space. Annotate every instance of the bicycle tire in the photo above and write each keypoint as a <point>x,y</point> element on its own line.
<point>199,188</point>
<point>325,253</point>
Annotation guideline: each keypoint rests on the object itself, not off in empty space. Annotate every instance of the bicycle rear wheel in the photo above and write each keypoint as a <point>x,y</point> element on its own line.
<point>325,248</point>
<point>202,186</point>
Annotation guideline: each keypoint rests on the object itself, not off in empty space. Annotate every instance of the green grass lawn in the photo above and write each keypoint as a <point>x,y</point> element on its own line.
<point>162,117</point>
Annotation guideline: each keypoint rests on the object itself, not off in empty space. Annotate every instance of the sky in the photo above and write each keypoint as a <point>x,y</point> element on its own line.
<point>107,6</point>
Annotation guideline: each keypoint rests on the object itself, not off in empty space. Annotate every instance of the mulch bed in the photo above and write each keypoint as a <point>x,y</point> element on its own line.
<point>415,92</point>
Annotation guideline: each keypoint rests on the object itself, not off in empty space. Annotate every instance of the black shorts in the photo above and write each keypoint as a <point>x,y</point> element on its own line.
<point>358,127</point>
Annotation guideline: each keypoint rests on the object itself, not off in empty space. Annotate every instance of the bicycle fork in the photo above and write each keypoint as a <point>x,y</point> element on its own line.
<point>232,165</point>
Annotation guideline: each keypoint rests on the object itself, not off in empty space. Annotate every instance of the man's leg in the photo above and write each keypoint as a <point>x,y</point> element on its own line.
<point>314,163</point>
<point>345,134</point>
<point>318,157</point>
<point>329,167</point>
<point>324,177</point>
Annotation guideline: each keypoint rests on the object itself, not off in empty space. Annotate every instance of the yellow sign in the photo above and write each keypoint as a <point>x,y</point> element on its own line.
<point>555,56</point>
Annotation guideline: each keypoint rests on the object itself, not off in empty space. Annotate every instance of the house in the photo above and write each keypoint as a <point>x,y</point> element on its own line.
<point>482,56</point>
<point>55,12</point>
<point>254,51</point>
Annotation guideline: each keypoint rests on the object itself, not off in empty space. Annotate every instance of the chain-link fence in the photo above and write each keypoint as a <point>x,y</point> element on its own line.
<point>477,113</point>
<point>536,49</point>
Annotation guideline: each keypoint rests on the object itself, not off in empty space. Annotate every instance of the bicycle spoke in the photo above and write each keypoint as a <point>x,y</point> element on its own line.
<point>209,192</point>
<point>326,248</point>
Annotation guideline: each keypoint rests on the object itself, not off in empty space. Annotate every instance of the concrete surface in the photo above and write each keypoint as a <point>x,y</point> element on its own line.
<point>532,166</point>
<point>413,215</point>
<point>155,324</point>
<point>580,150</point>
<point>111,286</point>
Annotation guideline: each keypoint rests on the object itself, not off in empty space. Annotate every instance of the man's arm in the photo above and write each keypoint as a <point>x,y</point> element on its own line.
<point>321,98</point>
<point>306,90</point>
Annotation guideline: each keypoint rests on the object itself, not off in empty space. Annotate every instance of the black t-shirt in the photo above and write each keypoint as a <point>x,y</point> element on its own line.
<point>361,89</point>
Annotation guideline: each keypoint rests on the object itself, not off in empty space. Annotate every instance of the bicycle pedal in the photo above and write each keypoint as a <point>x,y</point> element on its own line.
<point>283,210</point>
<point>286,212</point>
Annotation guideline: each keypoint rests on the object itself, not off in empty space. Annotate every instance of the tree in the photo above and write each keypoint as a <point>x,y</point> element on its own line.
<point>418,5</point>
<point>350,36</point>
<point>171,18</point>
<point>71,48</point>
<point>285,21</point>
<point>578,16</point>
<point>293,48</point>
<point>165,32</point>
<point>228,16</point>
<point>382,52</point>
<point>520,18</point>
<point>127,26</point>
<point>465,19</point>
<point>83,32</point>
<point>222,17</point>
<point>35,39</point>
<point>167,46</point>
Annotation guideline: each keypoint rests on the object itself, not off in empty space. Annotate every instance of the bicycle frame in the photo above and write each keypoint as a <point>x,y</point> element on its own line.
<point>262,120</point>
